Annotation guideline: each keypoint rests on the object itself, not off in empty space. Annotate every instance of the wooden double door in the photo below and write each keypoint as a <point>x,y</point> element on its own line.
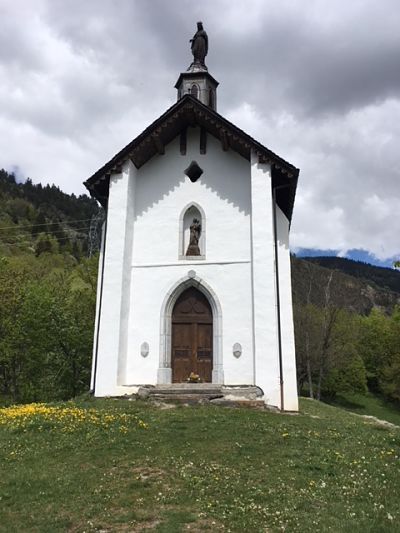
<point>192,334</point>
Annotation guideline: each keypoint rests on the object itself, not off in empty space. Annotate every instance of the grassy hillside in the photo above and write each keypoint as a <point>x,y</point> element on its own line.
<point>115,465</point>
<point>369,405</point>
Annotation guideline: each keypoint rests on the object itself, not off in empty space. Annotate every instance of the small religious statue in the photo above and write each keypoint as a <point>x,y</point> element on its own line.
<point>199,47</point>
<point>195,231</point>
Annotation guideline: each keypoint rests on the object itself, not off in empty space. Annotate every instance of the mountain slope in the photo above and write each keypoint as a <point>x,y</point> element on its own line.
<point>310,281</point>
<point>37,219</point>
<point>385,278</point>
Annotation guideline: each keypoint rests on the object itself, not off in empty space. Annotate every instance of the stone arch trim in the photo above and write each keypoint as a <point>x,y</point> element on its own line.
<point>181,250</point>
<point>190,280</point>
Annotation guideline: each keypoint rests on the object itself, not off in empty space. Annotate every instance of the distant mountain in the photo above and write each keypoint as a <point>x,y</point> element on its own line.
<point>386,278</point>
<point>347,288</point>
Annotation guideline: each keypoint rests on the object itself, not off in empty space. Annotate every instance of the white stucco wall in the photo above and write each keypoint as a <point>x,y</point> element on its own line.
<point>115,308</point>
<point>98,308</point>
<point>163,190</point>
<point>291,402</point>
<point>266,356</point>
<point>162,193</point>
<point>151,285</point>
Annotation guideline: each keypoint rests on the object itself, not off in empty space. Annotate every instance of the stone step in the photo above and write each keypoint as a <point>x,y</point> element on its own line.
<point>187,387</point>
<point>200,393</point>
<point>191,399</point>
<point>185,398</point>
<point>203,388</point>
<point>174,390</point>
<point>252,404</point>
<point>188,392</point>
<point>242,392</point>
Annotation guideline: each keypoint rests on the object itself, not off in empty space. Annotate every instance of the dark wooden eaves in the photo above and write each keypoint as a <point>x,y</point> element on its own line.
<point>189,111</point>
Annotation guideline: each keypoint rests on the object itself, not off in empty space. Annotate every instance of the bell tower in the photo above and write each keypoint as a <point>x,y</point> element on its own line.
<point>196,80</point>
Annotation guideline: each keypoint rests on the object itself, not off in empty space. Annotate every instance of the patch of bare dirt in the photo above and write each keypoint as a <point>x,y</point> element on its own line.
<point>164,405</point>
<point>379,422</point>
<point>145,473</point>
<point>204,524</point>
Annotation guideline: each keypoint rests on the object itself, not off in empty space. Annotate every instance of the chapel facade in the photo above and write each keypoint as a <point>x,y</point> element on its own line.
<point>194,270</point>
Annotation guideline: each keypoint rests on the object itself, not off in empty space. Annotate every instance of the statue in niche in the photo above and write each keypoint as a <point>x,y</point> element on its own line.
<point>195,232</point>
<point>199,46</point>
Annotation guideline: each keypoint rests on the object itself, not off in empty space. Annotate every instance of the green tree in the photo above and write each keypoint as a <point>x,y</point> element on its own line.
<point>308,326</point>
<point>46,328</point>
<point>328,361</point>
<point>345,370</point>
<point>46,244</point>
<point>40,225</point>
<point>12,354</point>
<point>375,346</point>
<point>390,371</point>
<point>72,317</point>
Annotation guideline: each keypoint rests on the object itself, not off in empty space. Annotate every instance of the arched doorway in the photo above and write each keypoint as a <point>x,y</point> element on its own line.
<point>192,337</point>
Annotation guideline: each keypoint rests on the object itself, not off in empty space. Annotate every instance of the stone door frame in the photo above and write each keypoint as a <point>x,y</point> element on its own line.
<point>164,374</point>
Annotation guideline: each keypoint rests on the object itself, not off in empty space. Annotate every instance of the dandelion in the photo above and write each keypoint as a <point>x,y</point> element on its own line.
<point>68,419</point>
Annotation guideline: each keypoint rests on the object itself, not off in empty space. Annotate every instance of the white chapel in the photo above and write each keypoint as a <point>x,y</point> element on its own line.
<point>194,272</point>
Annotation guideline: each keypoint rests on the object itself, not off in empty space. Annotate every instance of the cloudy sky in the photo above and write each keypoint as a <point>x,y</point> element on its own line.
<point>316,81</point>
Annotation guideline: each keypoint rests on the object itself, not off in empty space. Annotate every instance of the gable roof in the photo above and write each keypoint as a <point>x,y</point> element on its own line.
<point>189,111</point>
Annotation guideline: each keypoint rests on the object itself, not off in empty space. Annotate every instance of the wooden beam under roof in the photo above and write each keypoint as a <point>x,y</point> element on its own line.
<point>224,140</point>
<point>158,143</point>
<point>183,141</point>
<point>203,140</point>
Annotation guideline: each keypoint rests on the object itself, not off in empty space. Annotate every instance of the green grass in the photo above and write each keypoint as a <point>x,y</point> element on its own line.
<point>196,469</point>
<point>370,405</point>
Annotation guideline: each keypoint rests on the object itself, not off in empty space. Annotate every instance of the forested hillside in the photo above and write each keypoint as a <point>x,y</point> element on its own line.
<point>36,219</point>
<point>347,326</point>
<point>47,291</point>
<point>385,278</point>
<point>355,293</point>
<point>347,332</point>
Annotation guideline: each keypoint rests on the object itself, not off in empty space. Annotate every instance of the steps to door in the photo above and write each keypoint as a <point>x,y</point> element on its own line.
<point>204,393</point>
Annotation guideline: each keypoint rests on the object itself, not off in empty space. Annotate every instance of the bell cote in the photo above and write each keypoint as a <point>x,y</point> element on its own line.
<point>201,85</point>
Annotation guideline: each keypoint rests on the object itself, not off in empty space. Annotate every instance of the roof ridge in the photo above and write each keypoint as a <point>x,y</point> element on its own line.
<point>188,110</point>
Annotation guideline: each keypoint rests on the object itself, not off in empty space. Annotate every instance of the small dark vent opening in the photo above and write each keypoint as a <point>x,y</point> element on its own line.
<point>193,171</point>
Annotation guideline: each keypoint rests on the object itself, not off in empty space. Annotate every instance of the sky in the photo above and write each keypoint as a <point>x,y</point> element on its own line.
<point>317,82</point>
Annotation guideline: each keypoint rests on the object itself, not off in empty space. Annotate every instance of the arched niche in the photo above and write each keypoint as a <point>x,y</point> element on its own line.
<point>189,214</point>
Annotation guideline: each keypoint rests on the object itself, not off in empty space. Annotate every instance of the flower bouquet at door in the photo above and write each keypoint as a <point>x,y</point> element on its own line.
<point>193,378</point>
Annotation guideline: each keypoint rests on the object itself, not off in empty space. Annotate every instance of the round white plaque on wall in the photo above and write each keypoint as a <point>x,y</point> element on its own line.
<point>144,349</point>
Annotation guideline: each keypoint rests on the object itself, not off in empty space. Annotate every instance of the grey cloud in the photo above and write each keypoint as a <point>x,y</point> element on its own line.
<point>297,63</point>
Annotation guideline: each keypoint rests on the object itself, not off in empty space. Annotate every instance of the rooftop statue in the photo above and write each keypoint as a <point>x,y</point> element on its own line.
<point>199,46</point>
